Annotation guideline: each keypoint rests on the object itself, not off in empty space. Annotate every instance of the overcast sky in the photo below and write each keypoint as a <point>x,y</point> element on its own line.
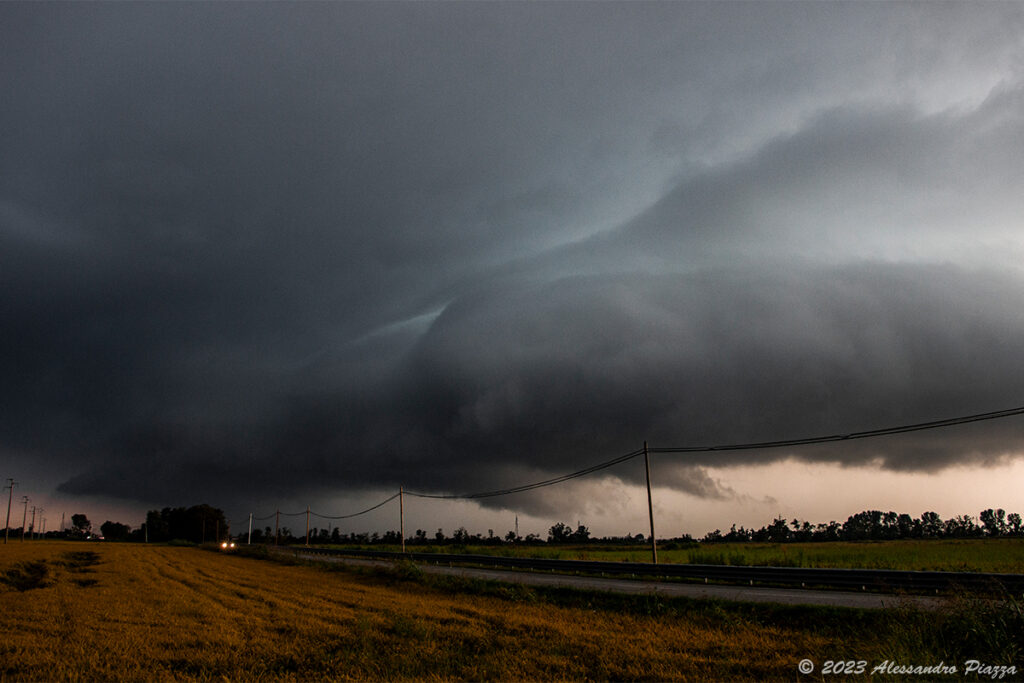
<point>259,255</point>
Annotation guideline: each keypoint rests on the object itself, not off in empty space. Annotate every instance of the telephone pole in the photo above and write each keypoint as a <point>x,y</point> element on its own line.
<point>249,541</point>
<point>277,533</point>
<point>650,505</point>
<point>401,514</point>
<point>42,523</point>
<point>10,485</point>
<point>24,517</point>
<point>307,526</point>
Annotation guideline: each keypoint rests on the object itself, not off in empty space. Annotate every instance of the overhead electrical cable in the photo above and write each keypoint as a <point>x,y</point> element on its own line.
<point>886,431</point>
<point>356,514</point>
<point>935,424</point>
<point>535,485</point>
<point>759,445</point>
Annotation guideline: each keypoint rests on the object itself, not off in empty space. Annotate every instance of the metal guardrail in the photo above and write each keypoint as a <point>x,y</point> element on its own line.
<point>855,579</point>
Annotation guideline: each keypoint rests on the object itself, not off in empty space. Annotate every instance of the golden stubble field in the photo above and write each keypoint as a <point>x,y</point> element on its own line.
<point>137,612</point>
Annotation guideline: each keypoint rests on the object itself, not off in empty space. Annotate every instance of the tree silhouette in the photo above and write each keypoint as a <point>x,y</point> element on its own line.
<point>80,524</point>
<point>559,533</point>
<point>993,521</point>
<point>115,531</point>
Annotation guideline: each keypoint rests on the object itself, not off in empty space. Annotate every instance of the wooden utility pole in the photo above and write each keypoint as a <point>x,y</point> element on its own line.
<point>307,526</point>
<point>7,530</point>
<point>277,527</point>
<point>401,514</point>
<point>33,525</point>
<point>650,505</point>
<point>24,517</point>
<point>249,541</point>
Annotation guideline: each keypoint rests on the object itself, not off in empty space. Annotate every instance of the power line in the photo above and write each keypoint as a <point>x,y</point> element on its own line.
<point>804,441</point>
<point>536,485</point>
<point>362,512</point>
<point>885,431</point>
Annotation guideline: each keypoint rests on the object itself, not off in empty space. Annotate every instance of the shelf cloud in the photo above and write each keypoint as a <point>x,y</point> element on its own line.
<point>260,250</point>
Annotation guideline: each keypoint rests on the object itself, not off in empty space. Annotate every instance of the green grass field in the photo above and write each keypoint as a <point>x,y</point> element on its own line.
<point>998,555</point>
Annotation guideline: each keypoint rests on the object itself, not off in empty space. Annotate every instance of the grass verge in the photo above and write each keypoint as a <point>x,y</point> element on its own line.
<point>996,555</point>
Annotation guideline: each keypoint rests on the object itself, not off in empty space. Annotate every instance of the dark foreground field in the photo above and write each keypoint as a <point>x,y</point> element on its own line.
<point>74,611</point>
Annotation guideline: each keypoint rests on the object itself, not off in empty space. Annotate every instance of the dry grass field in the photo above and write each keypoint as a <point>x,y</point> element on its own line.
<point>76,611</point>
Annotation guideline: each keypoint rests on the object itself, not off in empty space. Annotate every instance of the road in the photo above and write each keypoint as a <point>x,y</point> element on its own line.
<point>785,596</point>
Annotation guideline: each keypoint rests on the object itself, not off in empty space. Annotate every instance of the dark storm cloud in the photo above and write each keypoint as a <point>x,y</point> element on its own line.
<point>520,381</point>
<point>266,249</point>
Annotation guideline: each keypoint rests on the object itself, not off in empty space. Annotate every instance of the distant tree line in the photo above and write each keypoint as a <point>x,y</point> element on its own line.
<point>204,524</point>
<point>196,524</point>
<point>560,533</point>
<point>324,536</point>
<point>875,525</point>
<point>81,529</point>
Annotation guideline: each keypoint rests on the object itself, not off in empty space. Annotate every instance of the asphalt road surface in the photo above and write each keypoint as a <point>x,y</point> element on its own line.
<point>785,596</point>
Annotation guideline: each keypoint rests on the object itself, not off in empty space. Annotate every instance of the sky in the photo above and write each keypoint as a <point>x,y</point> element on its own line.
<point>275,255</point>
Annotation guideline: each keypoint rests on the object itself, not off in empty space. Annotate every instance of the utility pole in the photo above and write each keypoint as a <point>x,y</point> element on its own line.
<point>277,533</point>
<point>401,514</point>
<point>33,525</point>
<point>10,485</point>
<point>650,505</point>
<point>249,541</point>
<point>24,517</point>
<point>62,521</point>
<point>307,526</point>
<point>42,523</point>
<point>517,527</point>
